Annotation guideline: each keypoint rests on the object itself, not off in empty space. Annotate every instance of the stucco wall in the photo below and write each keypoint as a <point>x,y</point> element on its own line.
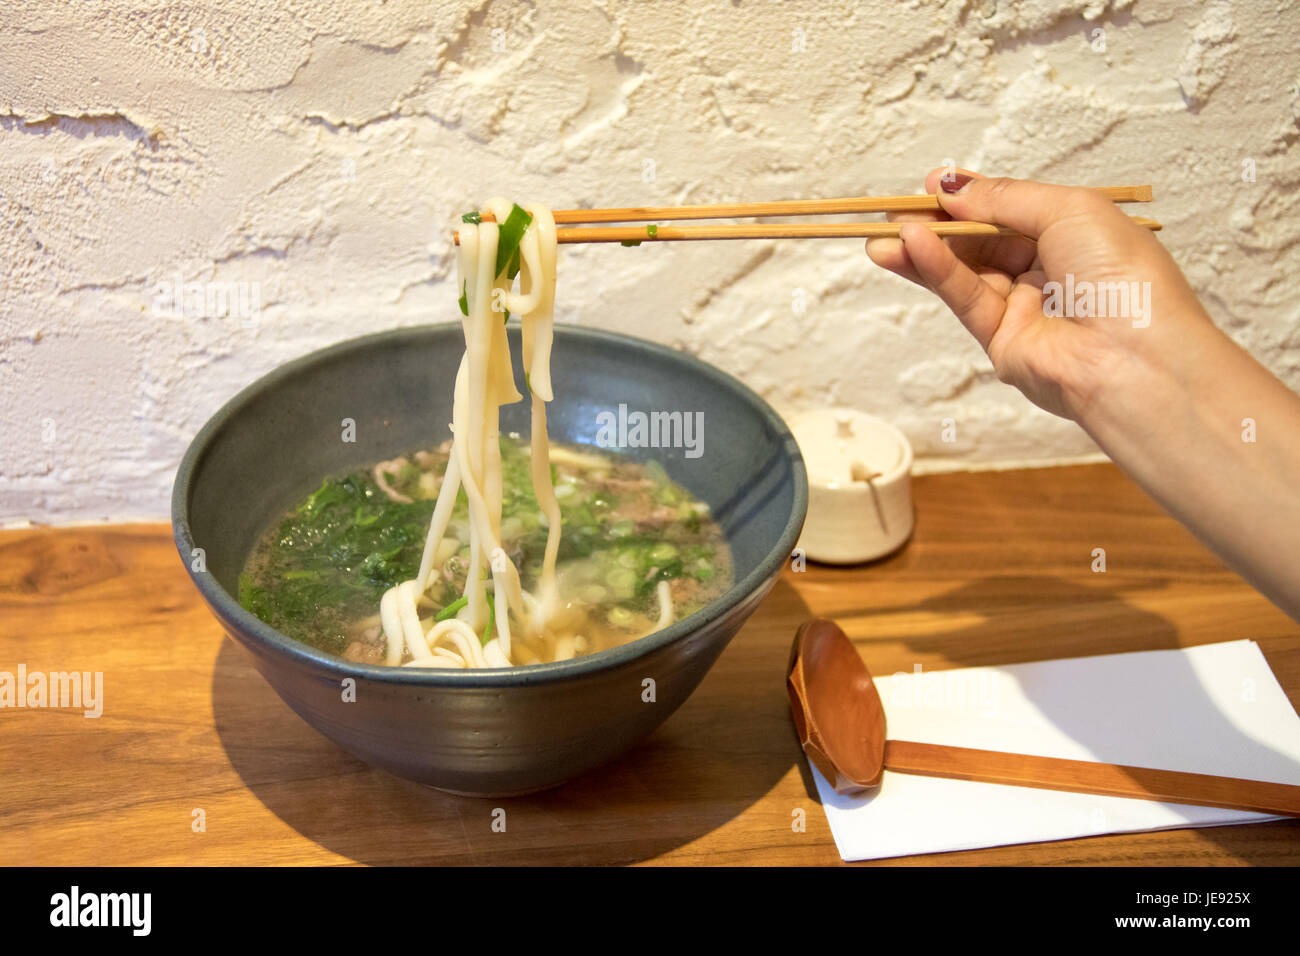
<point>319,151</point>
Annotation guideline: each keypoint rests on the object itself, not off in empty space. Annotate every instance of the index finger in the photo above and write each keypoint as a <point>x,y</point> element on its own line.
<point>1021,204</point>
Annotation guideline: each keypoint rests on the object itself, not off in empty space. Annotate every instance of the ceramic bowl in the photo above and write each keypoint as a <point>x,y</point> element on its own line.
<point>499,731</point>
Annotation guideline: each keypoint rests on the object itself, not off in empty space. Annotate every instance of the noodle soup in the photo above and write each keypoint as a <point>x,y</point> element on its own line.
<point>638,551</point>
<point>496,582</point>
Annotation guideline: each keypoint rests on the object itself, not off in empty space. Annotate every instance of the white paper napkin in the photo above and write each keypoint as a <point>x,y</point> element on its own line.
<point>1216,709</point>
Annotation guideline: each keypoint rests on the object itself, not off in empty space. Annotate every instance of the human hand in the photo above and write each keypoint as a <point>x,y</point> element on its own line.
<point>995,285</point>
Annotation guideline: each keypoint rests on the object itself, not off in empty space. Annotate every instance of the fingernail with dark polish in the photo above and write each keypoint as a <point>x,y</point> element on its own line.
<point>954,184</point>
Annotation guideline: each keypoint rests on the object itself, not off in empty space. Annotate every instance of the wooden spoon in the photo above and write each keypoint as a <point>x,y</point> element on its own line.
<point>841,724</point>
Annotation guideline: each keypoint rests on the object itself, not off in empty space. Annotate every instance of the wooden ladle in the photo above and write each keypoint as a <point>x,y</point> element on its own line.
<point>841,724</point>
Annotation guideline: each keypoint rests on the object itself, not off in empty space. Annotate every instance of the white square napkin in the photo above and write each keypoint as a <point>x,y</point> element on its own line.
<point>1216,709</point>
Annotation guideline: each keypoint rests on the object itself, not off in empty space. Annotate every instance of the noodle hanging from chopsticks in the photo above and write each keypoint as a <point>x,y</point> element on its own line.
<point>485,382</point>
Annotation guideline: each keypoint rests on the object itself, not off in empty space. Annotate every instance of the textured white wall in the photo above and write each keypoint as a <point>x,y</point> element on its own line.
<point>321,149</point>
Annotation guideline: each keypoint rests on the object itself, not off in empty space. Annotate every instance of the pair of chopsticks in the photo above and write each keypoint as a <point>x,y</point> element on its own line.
<point>791,207</point>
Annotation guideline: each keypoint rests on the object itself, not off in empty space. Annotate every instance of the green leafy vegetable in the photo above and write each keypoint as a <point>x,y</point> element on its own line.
<point>329,562</point>
<point>652,230</point>
<point>464,298</point>
<point>511,234</point>
<point>472,216</point>
<point>451,609</point>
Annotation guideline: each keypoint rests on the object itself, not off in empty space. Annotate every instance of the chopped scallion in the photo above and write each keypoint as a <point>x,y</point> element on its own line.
<point>508,239</point>
<point>451,609</point>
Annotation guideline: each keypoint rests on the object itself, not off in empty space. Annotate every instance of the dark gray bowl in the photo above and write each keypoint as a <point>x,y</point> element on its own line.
<point>500,731</point>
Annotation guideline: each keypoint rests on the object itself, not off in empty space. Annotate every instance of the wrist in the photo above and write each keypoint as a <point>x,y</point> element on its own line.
<point>1142,370</point>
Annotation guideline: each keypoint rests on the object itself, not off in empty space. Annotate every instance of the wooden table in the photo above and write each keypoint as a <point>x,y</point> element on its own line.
<point>999,571</point>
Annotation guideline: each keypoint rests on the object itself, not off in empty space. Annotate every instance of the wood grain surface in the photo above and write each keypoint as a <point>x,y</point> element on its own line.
<point>998,572</point>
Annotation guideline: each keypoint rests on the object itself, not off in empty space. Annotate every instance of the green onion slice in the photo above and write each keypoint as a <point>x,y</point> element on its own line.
<point>451,609</point>
<point>511,234</point>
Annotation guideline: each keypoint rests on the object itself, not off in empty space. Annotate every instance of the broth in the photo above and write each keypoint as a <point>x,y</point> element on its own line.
<point>317,574</point>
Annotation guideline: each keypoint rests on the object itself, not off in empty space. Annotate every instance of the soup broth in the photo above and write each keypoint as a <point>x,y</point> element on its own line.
<point>318,573</point>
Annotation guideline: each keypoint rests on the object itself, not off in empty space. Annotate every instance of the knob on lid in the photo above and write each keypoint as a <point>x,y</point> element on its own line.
<point>841,446</point>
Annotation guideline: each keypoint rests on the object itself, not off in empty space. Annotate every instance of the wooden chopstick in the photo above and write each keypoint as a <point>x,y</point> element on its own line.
<point>793,207</point>
<point>801,230</point>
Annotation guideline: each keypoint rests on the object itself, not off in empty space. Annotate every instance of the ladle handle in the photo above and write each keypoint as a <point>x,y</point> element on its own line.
<point>1083,776</point>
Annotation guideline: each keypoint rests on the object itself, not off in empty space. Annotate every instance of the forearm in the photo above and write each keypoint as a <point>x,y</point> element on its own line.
<point>1176,422</point>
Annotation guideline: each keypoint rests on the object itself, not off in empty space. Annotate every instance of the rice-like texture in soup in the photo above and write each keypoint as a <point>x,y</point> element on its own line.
<point>317,575</point>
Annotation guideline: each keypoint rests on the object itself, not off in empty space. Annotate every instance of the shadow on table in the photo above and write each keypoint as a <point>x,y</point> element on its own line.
<point>725,748</point>
<point>1015,619</point>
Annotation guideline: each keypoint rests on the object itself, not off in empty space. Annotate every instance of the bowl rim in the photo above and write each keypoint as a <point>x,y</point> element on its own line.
<point>229,611</point>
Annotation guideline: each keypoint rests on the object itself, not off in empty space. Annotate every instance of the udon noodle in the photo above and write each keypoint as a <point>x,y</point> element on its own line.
<point>493,620</point>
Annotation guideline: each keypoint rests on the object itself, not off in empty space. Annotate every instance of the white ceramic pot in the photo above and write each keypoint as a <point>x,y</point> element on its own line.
<point>859,485</point>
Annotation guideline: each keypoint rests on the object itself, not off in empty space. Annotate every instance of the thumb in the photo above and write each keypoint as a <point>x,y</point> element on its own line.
<point>1020,204</point>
